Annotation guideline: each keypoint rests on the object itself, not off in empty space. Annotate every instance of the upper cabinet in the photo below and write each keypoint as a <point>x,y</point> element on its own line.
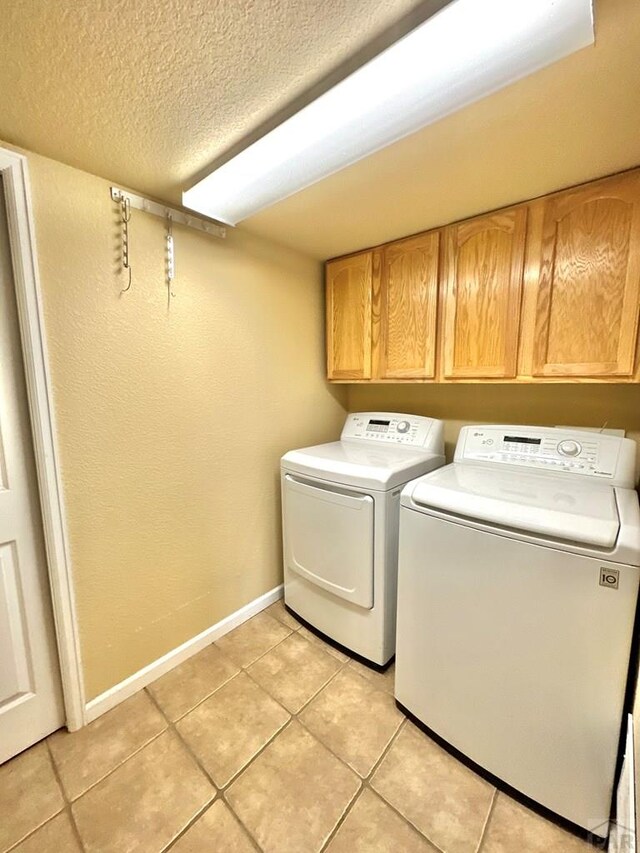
<point>405,308</point>
<point>349,295</point>
<point>585,300</point>
<point>545,291</point>
<point>482,286</point>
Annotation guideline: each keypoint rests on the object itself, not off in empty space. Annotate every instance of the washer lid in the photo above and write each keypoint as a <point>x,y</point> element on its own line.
<point>369,465</point>
<point>534,503</point>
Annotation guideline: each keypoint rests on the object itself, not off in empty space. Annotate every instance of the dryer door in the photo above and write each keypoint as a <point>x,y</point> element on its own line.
<point>328,538</point>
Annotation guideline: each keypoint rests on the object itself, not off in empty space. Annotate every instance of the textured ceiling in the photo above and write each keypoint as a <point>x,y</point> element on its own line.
<point>148,92</point>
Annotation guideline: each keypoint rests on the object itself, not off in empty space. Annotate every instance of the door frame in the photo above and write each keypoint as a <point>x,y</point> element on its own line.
<point>15,176</point>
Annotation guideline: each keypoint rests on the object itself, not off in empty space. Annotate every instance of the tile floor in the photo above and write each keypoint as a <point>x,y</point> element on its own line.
<point>267,740</point>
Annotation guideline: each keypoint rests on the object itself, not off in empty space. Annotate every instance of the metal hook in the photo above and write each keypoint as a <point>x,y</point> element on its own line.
<point>125,209</point>
<point>128,287</point>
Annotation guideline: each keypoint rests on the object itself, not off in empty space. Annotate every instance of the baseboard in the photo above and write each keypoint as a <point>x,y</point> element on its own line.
<point>119,692</point>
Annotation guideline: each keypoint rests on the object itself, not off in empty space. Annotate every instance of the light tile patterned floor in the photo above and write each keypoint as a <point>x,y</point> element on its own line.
<point>268,740</point>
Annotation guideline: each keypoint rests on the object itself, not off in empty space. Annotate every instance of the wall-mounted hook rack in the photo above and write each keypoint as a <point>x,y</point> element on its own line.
<point>200,223</point>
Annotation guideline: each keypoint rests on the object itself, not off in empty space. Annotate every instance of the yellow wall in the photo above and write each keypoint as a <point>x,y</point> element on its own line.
<point>550,405</point>
<point>573,121</point>
<point>171,421</point>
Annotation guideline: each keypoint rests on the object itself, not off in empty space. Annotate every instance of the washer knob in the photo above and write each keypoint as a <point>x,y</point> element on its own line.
<point>569,448</point>
<point>403,426</point>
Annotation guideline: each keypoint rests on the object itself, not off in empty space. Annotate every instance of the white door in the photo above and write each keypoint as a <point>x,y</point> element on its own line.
<point>328,538</point>
<point>30,693</point>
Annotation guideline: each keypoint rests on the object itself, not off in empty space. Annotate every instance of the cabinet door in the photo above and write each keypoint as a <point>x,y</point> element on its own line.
<point>408,308</point>
<point>349,295</point>
<point>482,274</point>
<point>587,281</point>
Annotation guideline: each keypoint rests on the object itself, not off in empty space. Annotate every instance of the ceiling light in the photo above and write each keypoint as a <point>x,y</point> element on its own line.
<point>463,53</point>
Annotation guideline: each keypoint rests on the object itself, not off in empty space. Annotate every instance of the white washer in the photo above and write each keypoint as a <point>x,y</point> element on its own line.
<point>518,582</point>
<point>340,509</point>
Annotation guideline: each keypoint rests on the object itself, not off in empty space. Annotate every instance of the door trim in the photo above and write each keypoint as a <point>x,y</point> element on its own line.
<point>15,174</point>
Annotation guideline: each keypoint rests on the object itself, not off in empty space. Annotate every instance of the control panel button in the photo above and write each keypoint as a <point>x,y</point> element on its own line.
<point>569,448</point>
<point>403,426</point>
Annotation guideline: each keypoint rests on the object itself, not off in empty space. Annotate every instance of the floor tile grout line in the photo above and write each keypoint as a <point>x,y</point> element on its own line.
<point>64,810</point>
<point>248,832</point>
<point>364,784</point>
<point>113,769</point>
<point>221,792</point>
<point>224,791</point>
<point>246,766</point>
<point>225,655</point>
<point>171,727</point>
<point>220,789</point>
<point>287,725</point>
<point>292,717</point>
<point>190,823</point>
<point>369,779</point>
<point>404,818</point>
<point>262,654</point>
<point>67,800</point>
<point>32,832</point>
<point>343,816</point>
<point>310,699</point>
<point>319,641</point>
<point>487,820</point>
<point>363,781</point>
<point>304,706</point>
<point>386,750</point>
<point>281,621</point>
<point>198,703</point>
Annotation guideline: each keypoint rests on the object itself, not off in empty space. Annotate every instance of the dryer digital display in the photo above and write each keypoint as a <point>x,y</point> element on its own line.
<point>522,439</point>
<point>378,426</point>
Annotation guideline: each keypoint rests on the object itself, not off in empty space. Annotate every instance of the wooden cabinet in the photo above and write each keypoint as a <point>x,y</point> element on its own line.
<point>482,287</point>
<point>349,293</point>
<point>585,255</point>
<point>405,308</point>
<point>547,291</point>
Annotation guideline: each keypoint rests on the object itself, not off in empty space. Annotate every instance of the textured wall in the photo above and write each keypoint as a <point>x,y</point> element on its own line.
<point>172,420</point>
<point>550,405</point>
<point>573,121</point>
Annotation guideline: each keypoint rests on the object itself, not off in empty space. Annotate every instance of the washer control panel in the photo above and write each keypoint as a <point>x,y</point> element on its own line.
<point>393,428</point>
<point>591,454</point>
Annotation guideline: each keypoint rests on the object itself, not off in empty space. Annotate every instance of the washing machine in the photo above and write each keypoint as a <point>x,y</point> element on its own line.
<point>518,584</point>
<point>340,510</point>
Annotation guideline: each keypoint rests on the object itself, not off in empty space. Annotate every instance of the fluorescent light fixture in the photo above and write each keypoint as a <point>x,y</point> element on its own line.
<point>464,52</point>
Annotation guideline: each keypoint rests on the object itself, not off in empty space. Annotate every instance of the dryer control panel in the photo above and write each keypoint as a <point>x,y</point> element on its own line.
<point>551,449</point>
<point>394,428</point>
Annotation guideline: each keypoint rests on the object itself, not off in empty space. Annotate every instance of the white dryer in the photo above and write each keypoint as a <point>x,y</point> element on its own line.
<point>340,510</point>
<point>518,583</point>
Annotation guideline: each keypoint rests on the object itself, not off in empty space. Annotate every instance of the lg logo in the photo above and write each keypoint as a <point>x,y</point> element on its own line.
<point>609,577</point>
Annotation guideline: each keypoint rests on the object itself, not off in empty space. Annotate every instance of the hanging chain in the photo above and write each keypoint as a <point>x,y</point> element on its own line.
<point>171,258</point>
<point>125,212</point>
